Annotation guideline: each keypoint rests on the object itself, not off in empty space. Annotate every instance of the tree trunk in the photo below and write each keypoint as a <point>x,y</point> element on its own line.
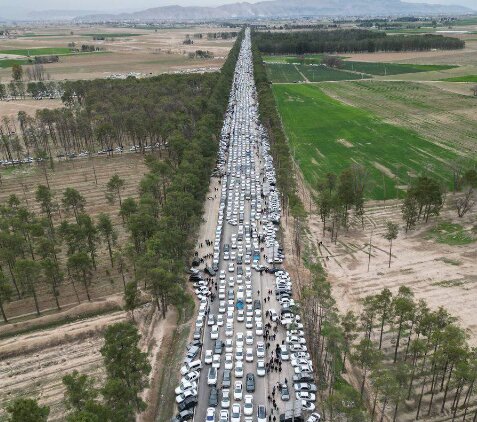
<point>36,302</point>
<point>3,313</point>
<point>383,409</point>
<point>398,339</point>
<point>447,389</point>
<point>390,248</point>
<point>110,253</point>
<point>420,398</point>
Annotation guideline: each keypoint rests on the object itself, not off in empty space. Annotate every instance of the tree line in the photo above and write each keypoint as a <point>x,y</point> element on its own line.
<point>349,41</point>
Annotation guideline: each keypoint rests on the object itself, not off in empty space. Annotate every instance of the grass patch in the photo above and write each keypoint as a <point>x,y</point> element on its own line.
<point>288,73</point>
<point>450,234</point>
<point>450,283</point>
<point>283,73</point>
<point>449,261</point>
<point>4,63</point>
<point>326,135</point>
<point>466,78</point>
<point>44,51</point>
<point>323,73</point>
<point>392,68</point>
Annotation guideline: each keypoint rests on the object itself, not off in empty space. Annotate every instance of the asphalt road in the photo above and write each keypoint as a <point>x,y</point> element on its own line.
<point>261,283</point>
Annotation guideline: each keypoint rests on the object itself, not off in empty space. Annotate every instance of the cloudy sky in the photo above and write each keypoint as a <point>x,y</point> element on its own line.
<point>17,6</point>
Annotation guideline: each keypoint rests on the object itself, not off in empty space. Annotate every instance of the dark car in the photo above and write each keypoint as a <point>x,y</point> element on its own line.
<point>226,380</point>
<point>250,383</point>
<point>188,403</point>
<point>285,393</point>
<point>213,397</point>
<point>210,271</point>
<point>185,415</point>
<point>261,413</point>
<point>239,260</point>
<point>196,262</point>
<point>239,270</point>
<point>257,304</point>
<point>218,347</point>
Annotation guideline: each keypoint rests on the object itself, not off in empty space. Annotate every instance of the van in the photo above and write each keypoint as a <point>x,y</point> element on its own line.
<point>195,365</point>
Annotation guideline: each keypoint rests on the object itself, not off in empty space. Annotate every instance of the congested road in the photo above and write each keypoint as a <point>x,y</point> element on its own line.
<point>249,347</point>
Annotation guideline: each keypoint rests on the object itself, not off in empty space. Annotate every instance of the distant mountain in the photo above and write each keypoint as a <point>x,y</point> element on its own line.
<point>57,14</point>
<point>282,9</point>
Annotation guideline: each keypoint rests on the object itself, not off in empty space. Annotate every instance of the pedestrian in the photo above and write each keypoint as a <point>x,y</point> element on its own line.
<point>286,381</point>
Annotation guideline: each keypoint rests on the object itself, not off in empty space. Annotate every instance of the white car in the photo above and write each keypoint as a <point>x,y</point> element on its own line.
<point>229,361</point>
<point>208,357</point>
<point>224,416</point>
<point>185,385</point>
<point>222,275</point>
<point>314,417</point>
<point>231,267</point>
<point>229,345</point>
<point>240,315</point>
<point>222,306</point>
<point>305,395</point>
<point>249,322</point>
<point>261,371</point>
<point>210,414</point>
<point>225,403</point>
<point>248,405</point>
<point>307,405</point>
<point>249,354</point>
<point>239,339</point>
<point>238,369</point>
<point>238,390</point>
<point>220,320</point>
<point>239,354</point>
<point>236,412</point>
<point>259,329</point>
<point>192,392</point>
<point>191,376</point>
<point>214,332</point>
<point>260,349</point>
<point>216,361</point>
<point>249,338</point>
<point>229,330</point>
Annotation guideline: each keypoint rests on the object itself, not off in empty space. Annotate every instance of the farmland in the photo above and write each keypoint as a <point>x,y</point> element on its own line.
<point>143,51</point>
<point>327,136</point>
<point>286,73</point>
<point>391,68</point>
<point>466,78</point>
<point>443,117</point>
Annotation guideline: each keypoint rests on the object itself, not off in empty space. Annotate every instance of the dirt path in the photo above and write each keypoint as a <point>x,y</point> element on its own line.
<point>302,75</point>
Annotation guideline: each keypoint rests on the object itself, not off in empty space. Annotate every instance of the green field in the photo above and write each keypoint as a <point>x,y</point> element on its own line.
<point>466,78</point>
<point>283,73</point>
<point>4,63</point>
<point>391,68</point>
<point>323,73</point>
<point>307,59</point>
<point>288,73</point>
<point>326,135</point>
<point>44,51</point>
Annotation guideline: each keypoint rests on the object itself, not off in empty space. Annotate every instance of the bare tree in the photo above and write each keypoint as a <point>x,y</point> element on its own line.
<point>465,203</point>
<point>392,230</point>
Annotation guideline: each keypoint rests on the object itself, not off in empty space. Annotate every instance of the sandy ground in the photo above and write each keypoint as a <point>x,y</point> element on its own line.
<point>149,52</point>
<point>11,108</point>
<point>419,263</point>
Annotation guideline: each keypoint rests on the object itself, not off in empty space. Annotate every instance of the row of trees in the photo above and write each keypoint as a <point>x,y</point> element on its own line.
<point>35,251</point>
<point>410,353</point>
<point>42,88</point>
<point>116,400</point>
<point>349,41</point>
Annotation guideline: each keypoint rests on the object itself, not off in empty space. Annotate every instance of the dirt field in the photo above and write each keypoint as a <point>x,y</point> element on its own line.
<point>33,364</point>
<point>11,108</point>
<point>143,51</point>
<point>79,175</point>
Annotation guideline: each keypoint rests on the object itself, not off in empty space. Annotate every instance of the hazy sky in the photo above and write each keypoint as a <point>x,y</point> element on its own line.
<point>122,5</point>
